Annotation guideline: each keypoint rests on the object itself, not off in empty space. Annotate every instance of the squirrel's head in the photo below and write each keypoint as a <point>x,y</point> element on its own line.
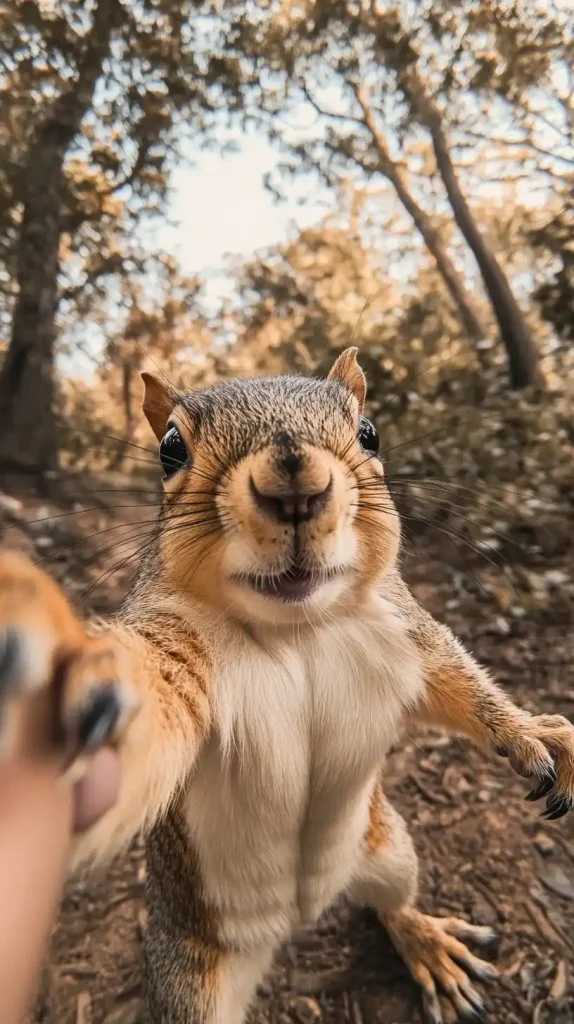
<point>276,507</point>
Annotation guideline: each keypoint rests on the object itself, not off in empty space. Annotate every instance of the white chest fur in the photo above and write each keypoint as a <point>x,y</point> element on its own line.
<point>278,800</point>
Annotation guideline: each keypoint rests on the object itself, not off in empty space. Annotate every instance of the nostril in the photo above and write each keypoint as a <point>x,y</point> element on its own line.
<point>271,504</point>
<point>294,507</point>
<point>317,502</point>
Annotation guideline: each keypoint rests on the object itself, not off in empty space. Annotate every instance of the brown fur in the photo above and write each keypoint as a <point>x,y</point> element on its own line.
<point>461,697</point>
<point>438,960</point>
<point>379,831</point>
<point>158,403</point>
<point>347,370</point>
<point>186,955</point>
<point>157,665</point>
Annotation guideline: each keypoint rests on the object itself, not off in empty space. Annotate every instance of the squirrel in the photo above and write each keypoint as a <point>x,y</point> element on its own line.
<point>261,667</point>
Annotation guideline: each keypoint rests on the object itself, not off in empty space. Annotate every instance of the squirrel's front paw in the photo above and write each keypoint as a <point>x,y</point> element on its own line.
<point>45,650</point>
<point>543,750</point>
<point>97,700</point>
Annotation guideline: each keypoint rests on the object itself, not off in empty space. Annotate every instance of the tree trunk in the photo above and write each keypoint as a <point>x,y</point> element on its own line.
<point>119,456</point>
<point>432,238</point>
<point>27,385</point>
<point>27,427</point>
<point>522,353</point>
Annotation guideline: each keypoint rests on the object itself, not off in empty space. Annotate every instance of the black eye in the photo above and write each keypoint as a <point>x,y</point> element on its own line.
<point>172,452</point>
<point>368,437</point>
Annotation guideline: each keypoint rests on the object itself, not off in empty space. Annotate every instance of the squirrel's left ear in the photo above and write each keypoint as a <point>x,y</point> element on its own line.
<point>347,370</point>
<point>158,404</point>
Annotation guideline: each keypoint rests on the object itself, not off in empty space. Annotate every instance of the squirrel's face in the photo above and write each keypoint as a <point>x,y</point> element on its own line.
<point>276,507</point>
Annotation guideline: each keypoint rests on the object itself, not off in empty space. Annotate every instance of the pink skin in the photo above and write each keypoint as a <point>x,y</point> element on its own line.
<point>97,791</point>
<point>37,819</point>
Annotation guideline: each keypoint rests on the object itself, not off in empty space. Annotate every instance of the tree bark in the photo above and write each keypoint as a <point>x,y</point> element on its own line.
<point>127,373</point>
<point>28,437</point>
<point>523,356</point>
<point>454,281</point>
<point>433,240</point>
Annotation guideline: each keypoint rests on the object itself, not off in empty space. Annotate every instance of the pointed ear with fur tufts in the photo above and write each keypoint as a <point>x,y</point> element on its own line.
<point>347,370</point>
<point>158,404</point>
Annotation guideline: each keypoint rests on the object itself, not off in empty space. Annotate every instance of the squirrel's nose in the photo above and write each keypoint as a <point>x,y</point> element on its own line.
<point>293,506</point>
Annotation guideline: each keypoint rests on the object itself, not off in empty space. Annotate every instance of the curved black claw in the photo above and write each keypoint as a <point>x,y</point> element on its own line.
<point>556,807</point>
<point>432,1012</point>
<point>473,1014</point>
<point>98,718</point>
<point>10,662</point>
<point>545,784</point>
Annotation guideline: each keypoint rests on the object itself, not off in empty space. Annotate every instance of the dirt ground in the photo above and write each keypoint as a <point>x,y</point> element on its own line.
<point>484,852</point>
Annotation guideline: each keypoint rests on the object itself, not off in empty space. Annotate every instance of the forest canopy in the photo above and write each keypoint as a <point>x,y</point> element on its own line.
<point>442,133</point>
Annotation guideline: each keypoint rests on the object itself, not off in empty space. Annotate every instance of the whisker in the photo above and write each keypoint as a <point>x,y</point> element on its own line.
<point>446,482</point>
<point>422,437</point>
<point>354,469</point>
<point>84,511</point>
<point>186,514</point>
<point>495,505</point>
<point>108,573</point>
<point>451,534</point>
<point>384,529</point>
<point>217,534</point>
<point>448,505</point>
<point>146,546</point>
<point>174,391</point>
<point>106,436</point>
<point>495,533</point>
<point>84,539</point>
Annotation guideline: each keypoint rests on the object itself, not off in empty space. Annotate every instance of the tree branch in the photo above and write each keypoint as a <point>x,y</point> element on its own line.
<point>369,120</point>
<point>328,113</point>
<point>527,143</point>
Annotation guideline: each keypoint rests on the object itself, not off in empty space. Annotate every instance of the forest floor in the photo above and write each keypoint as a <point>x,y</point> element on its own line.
<point>485,854</point>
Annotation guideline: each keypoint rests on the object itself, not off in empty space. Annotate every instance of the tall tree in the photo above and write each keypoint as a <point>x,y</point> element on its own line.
<point>302,56</point>
<point>103,96</point>
<point>26,379</point>
<point>398,91</point>
<point>395,173</point>
<point>400,51</point>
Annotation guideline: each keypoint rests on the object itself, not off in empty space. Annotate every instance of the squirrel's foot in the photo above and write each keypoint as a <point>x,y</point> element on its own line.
<point>543,750</point>
<point>438,960</point>
<point>57,684</point>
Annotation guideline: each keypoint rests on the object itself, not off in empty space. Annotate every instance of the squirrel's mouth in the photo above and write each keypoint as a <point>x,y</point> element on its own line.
<point>293,585</point>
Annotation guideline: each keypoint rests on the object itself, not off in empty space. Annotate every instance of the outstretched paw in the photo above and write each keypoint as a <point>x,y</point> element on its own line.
<point>543,751</point>
<point>433,950</point>
<point>45,650</point>
<point>97,700</point>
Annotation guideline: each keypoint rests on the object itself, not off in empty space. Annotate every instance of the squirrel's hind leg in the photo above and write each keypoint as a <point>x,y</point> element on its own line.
<point>191,982</point>
<point>431,947</point>
<point>192,976</point>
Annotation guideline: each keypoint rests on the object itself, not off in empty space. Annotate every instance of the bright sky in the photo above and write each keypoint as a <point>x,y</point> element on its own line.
<point>220,207</point>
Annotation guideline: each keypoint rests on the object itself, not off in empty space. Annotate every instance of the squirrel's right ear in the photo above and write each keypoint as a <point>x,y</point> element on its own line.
<point>158,404</point>
<point>347,370</point>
